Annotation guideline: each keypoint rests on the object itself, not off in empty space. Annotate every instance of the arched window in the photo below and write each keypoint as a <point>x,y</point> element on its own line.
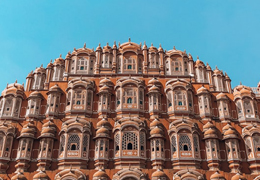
<point>73,142</point>
<point>129,101</point>
<point>173,144</point>
<point>129,138</point>
<point>129,63</point>
<point>82,65</point>
<point>117,141</point>
<point>129,146</point>
<point>184,143</point>
<point>180,98</point>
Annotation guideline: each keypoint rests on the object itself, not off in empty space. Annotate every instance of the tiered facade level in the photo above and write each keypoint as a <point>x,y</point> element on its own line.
<point>129,112</point>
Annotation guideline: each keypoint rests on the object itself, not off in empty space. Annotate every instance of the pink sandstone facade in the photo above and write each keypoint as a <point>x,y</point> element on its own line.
<point>129,112</point>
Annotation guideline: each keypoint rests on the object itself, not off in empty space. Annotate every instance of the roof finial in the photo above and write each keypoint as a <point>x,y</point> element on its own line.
<point>6,85</point>
<point>198,57</point>
<point>140,44</point>
<point>207,63</point>
<point>174,48</point>
<point>99,44</point>
<point>84,46</point>
<point>240,83</point>
<point>41,65</point>
<point>107,43</point>
<point>115,43</point>
<point>160,45</point>
<point>60,55</point>
<point>129,39</point>
<point>151,44</point>
<point>119,43</point>
<point>144,43</point>
<point>216,67</point>
<point>15,81</point>
<point>23,84</point>
<point>74,49</point>
<point>92,49</point>
<point>51,61</point>
<point>185,51</point>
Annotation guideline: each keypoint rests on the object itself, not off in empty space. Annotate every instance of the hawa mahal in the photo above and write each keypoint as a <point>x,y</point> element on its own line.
<point>129,112</point>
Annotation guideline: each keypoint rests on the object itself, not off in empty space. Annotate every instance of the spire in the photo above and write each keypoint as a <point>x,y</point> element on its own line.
<point>129,39</point>
<point>84,46</point>
<point>174,48</point>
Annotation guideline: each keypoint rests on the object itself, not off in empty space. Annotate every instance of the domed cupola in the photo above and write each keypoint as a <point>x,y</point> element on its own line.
<point>230,136</point>
<point>48,130</point>
<point>19,176</point>
<point>152,49</point>
<point>100,175</point>
<point>11,101</point>
<point>28,130</point>
<point>154,95</point>
<point>159,175</point>
<point>24,151</point>
<point>204,99</point>
<point>217,176</point>
<point>102,143</point>
<point>157,138</point>
<point>34,105</point>
<point>212,146</point>
<point>107,49</point>
<point>223,106</point>
<point>238,176</point>
<point>41,176</point>
<point>105,93</point>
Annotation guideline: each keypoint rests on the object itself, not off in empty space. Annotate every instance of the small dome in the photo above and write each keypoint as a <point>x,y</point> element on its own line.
<point>210,131</point>
<point>160,49</point>
<point>59,61</point>
<point>68,55</point>
<point>217,176</point>
<point>48,129</point>
<point>190,57</point>
<point>221,96</point>
<point>208,125</point>
<point>155,122</point>
<point>217,71</point>
<point>226,127</point>
<point>208,67</point>
<point>28,129</point>
<point>230,132</point>
<point>105,81</point>
<point>40,175</point>
<point>154,81</point>
<point>99,48</point>
<point>100,174</point>
<point>102,130</point>
<point>202,89</point>
<point>152,49</point>
<point>199,63</point>
<point>14,88</point>
<point>19,176</point>
<point>238,177</point>
<point>245,91</point>
<point>158,173</point>
<point>55,88</point>
<point>103,123</point>
<point>104,88</point>
<point>39,70</point>
<point>156,131</point>
<point>154,88</point>
<point>35,94</point>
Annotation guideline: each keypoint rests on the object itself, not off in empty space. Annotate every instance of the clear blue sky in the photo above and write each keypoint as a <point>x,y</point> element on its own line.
<point>225,33</point>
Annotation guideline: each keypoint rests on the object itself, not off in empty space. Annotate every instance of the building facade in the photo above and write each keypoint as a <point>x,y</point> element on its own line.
<point>129,112</point>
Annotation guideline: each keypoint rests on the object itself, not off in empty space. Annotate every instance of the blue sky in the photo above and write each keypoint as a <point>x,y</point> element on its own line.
<point>222,33</point>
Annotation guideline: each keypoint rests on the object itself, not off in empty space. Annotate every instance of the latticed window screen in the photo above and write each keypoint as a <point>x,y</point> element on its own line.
<point>85,143</point>
<point>1,143</point>
<point>79,97</point>
<point>8,144</point>
<point>117,140</point>
<point>196,143</point>
<point>180,98</point>
<point>142,140</point>
<point>129,93</point>
<point>129,64</point>
<point>157,145</point>
<point>62,143</point>
<point>248,106</point>
<point>239,109</point>
<point>73,141</point>
<point>173,144</point>
<point>184,141</point>
<point>256,143</point>
<point>101,145</point>
<point>152,145</point>
<point>153,61</point>
<point>129,137</point>
<point>82,64</point>
<point>89,98</point>
<point>8,106</point>
<point>169,99</point>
